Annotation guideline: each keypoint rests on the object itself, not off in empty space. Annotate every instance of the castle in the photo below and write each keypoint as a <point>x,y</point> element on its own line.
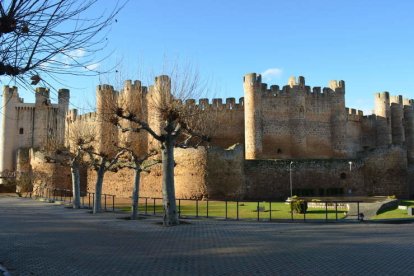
<point>263,139</point>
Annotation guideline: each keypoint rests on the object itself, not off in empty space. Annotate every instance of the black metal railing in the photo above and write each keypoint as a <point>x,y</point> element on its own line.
<point>66,195</point>
<point>231,209</point>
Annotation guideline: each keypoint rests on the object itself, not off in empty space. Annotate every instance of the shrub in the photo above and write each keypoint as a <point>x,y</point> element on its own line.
<point>299,206</point>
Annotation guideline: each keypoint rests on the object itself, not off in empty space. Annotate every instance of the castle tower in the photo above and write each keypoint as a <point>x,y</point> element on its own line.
<point>42,96</point>
<point>383,112</point>
<point>159,95</point>
<point>409,130</point>
<point>133,99</point>
<point>297,116</point>
<point>42,118</point>
<point>338,118</point>
<point>106,132</point>
<point>8,130</point>
<point>397,117</point>
<point>253,136</point>
<point>63,107</point>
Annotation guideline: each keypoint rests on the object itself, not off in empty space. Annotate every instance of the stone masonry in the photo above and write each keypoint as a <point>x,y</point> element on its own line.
<point>272,127</point>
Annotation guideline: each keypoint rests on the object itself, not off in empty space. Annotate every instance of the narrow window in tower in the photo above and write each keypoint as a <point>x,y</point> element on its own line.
<point>21,131</point>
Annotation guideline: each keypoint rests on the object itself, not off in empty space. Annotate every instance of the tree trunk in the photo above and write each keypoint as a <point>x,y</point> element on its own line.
<point>135,193</point>
<point>168,190</point>
<point>75,185</point>
<point>98,189</point>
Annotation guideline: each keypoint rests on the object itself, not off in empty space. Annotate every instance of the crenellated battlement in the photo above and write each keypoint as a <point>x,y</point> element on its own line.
<point>73,116</point>
<point>294,87</point>
<point>217,103</point>
<point>354,114</point>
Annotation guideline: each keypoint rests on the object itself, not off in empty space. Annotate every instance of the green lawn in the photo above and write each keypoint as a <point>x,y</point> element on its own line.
<point>245,210</point>
<point>395,212</point>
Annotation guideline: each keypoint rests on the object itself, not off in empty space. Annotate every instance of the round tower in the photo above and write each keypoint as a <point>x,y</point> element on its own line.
<point>63,103</point>
<point>158,97</point>
<point>42,96</point>
<point>297,117</point>
<point>8,130</point>
<point>338,118</point>
<point>397,116</point>
<point>383,124</point>
<point>409,131</point>
<point>132,99</point>
<point>106,132</point>
<point>252,84</point>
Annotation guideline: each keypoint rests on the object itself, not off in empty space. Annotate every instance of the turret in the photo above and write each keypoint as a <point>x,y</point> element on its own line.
<point>63,104</point>
<point>158,96</point>
<point>297,116</point>
<point>9,129</point>
<point>397,117</point>
<point>409,131</point>
<point>252,85</point>
<point>42,96</point>
<point>106,132</point>
<point>338,118</point>
<point>133,99</point>
<point>383,112</point>
<point>63,99</point>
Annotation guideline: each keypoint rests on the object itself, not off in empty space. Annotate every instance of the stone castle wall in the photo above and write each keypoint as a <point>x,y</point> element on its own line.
<point>312,127</point>
<point>199,173</point>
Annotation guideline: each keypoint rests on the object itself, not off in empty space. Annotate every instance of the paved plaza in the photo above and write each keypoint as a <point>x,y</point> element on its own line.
<point>38,238</point>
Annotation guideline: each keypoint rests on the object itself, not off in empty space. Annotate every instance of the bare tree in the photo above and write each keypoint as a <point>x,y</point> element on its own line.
<point>51,37</point>
<point>171,122</point>
<point>139,164</point>
<point>102,162</point>
<point>80,137</point>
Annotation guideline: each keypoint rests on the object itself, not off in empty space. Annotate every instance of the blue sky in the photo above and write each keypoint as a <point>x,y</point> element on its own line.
<point>369,44</point>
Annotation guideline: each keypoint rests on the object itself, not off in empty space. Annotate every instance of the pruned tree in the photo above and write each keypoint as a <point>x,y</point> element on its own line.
<point>40,39</point>
<point>139,164</point>
<point>101,162</point>
<point>79,140</point>
<point>171,122</point>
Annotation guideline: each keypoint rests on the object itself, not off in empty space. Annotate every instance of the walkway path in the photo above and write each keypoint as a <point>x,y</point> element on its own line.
<point>39,238</point>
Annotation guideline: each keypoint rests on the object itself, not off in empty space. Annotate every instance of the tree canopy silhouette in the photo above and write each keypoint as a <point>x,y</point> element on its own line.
<point>40,39</point>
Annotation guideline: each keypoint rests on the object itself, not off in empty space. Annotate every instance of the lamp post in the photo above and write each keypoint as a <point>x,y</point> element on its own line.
<point>350,170</point>
<point>290,177</point>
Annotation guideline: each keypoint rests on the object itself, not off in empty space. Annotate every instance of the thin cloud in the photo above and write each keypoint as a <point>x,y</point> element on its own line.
<point>93,66</point>
<point>272,73</point>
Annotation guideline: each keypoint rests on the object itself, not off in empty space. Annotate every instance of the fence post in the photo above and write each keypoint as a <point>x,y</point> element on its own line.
<point>93,199</point>
<point>336,210</point>
<point>357,210</point>
<point>179,208</point>
<point>304,215</point>
<point>291,210</point>
<point>326,211</point>
<point>153,207</point>
<point>105,201</point>
<point>270,210</point>
<point>89,199</point>
<point>226,209</point>
<point>196,208</point>
<point>113,203</point>
<point>237,202</point>
<point>258,213</point>
<point>146,206</point>
<point>207,208</point>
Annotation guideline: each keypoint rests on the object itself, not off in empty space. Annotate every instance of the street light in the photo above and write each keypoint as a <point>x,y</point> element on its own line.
<point>290,174</point>
<point>350,165</point>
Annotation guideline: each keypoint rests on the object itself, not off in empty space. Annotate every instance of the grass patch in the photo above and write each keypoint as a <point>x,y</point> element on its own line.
<point>234,210</point>
<point>395,213</point>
